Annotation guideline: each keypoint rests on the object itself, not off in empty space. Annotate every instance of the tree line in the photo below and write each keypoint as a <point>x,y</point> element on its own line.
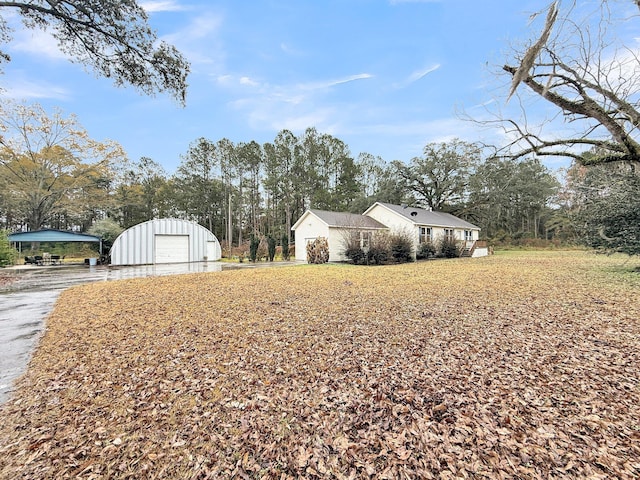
<point>53,176</point>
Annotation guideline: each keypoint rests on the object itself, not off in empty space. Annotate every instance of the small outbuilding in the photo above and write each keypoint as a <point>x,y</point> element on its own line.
<point>165,240</point>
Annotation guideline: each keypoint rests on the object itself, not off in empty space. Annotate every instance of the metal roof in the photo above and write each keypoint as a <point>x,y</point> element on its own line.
<point>420,216</point>
<point>51,235</point>
<point>347,220</point>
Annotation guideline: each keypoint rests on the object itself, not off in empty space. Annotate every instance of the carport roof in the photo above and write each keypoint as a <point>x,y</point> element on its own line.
<point>51,235</point>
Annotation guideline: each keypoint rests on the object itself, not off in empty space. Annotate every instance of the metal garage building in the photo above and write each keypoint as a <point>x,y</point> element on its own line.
<point>166,240</point>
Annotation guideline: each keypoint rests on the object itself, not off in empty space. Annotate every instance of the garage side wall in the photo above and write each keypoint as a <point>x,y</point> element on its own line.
<point>137,245</point>
<point>306,232</point>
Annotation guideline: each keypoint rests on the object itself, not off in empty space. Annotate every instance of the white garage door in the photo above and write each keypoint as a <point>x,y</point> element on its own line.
<point>172,248</point>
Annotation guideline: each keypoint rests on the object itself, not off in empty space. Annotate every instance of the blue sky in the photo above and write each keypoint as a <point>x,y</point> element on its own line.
<point>384,76</point>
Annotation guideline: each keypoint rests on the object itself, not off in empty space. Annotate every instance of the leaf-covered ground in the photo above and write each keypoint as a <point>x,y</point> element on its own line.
<point>513,366</point>
<point>6,279</point>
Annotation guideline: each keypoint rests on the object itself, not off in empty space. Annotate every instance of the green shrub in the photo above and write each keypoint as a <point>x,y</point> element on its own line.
<point>355,255</point>
<point>352,248</point>
<point>401,248</point>
<point>378,255</point>
<point>449,247</point>
<point>380,249</point>
<point>271,248</point>
<point>254,243</point>
<point>107,229</point>
<point>285,247</point>
<point>8,255</point>
<point>383,248</point>
<point>318,251</point>
<point>426,250</point>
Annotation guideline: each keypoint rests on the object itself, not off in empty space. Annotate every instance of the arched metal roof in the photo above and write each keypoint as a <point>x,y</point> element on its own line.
<point>138,245</point>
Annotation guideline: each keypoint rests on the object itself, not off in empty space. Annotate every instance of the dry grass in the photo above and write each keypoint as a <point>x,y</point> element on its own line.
<point>523,365</point>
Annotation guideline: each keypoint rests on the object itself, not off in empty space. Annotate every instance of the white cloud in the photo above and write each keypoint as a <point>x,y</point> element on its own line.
<point>247,81</point>
<point>38,43</point>
<point>201,27</point>
<point>161,6</point>
<point>352,78</point>
<point>199,41</point>
<point>417,75</point>
<point>298,94</point>
<point>332,83</point>
<point>479,106</point>
<point>289,97</point>
<point>24,89</point>
<point>294,107</point>
<point>224,80</point>
<point>292,119</point>
<point>231,81</point>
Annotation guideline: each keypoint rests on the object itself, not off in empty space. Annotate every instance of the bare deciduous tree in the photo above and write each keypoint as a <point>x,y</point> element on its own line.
<point>581,65</point>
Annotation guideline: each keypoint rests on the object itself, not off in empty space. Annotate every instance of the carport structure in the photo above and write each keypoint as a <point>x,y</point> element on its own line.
<point>50,235</point>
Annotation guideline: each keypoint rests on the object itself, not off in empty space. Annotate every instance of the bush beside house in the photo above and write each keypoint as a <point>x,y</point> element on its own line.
<point>379,249</point>
<point>318,251</point>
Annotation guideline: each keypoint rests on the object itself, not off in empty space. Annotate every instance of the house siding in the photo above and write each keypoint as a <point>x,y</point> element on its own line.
<point>397,223</point>
<point>392,220</point>
<point>308,228</point>
<point>336,245</point>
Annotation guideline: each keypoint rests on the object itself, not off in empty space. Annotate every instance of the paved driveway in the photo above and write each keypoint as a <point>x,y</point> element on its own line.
<point>24,305</point>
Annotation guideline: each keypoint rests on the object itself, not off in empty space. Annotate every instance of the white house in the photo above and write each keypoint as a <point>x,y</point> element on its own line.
<point>428,226</point>
<point>421,224</point>
<point>333,226</point>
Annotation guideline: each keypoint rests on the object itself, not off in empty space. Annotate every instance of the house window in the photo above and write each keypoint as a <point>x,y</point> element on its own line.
<point>448,234</point>
<point>365,239</point>
<point>424,235</point>
<point>468,236</point>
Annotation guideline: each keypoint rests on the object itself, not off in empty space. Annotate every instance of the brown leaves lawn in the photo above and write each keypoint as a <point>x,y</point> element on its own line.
<point>514,366</point>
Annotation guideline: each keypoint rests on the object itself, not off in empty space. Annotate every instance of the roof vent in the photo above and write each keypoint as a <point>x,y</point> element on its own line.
<point>414,213</point>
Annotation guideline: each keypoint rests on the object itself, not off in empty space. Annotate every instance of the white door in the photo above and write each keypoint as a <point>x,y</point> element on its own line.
<point>172,249</point>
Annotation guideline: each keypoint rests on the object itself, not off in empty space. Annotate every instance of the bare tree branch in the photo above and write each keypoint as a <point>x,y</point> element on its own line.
<point>582,68</point>
<point>112,38</point>
<point>530,56</point>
